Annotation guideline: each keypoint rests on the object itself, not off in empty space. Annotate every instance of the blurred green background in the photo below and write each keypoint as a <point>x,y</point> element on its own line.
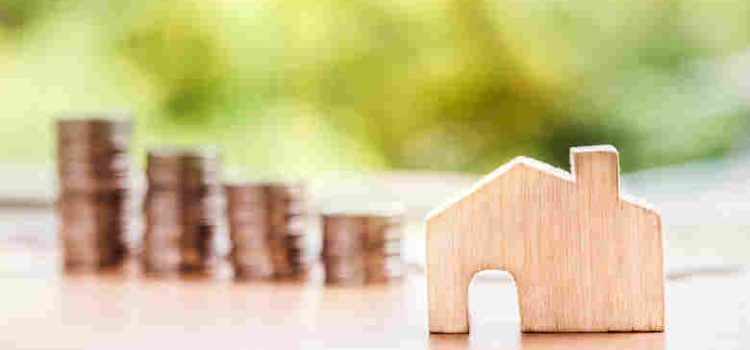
<point>293,86</point>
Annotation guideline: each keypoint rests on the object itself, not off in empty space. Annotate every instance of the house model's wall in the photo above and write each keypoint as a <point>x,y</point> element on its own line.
<point>583,258</point>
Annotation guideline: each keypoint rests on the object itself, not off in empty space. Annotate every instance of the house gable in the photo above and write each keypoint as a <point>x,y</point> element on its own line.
<point>519,163</point>
<point>530,164</point>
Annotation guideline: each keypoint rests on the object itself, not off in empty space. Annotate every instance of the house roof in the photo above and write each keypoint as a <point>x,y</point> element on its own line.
<point>534,165</point>
<point>596,148</point>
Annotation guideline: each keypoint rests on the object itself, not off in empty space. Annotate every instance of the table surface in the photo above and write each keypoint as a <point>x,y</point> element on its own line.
<point>42,307</point>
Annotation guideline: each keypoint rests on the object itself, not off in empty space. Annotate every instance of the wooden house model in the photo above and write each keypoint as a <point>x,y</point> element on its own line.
<point>584,258</point>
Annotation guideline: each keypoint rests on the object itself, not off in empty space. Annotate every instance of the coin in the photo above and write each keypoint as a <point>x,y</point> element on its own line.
<point>264,221</point>
<point>93,180</point>
<point>184,195</point>
<point>361,248</point>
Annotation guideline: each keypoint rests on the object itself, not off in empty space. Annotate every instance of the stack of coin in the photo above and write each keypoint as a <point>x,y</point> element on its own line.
<point>182,209</point>
<point>361,249</point>
<point>383,249</point>
<point>93,202</point>
<point>265,227</point>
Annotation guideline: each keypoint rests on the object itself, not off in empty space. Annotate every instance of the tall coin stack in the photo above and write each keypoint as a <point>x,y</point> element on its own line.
<point>182,210</point>
<point>361,249</point>
<point>93,201</point>
<point>265,227</point>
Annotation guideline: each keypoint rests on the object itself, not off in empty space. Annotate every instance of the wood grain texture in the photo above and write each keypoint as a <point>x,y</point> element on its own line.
<point>583,257</point>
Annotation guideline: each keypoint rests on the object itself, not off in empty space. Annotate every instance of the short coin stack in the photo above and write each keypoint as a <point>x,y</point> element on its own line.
<point>182,209</point>
<point>265,227</point>
<point>361,249</point>
<point>93,202</point>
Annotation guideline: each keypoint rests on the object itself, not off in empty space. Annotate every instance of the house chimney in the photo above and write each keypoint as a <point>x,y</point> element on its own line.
<point>597,170</point>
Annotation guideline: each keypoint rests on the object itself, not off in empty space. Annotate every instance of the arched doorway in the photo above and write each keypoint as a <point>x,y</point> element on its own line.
<point>493,303</point>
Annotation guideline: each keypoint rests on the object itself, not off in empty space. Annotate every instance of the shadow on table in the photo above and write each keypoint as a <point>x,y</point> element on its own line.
<point>545,341</point>
<point>584,341</point>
